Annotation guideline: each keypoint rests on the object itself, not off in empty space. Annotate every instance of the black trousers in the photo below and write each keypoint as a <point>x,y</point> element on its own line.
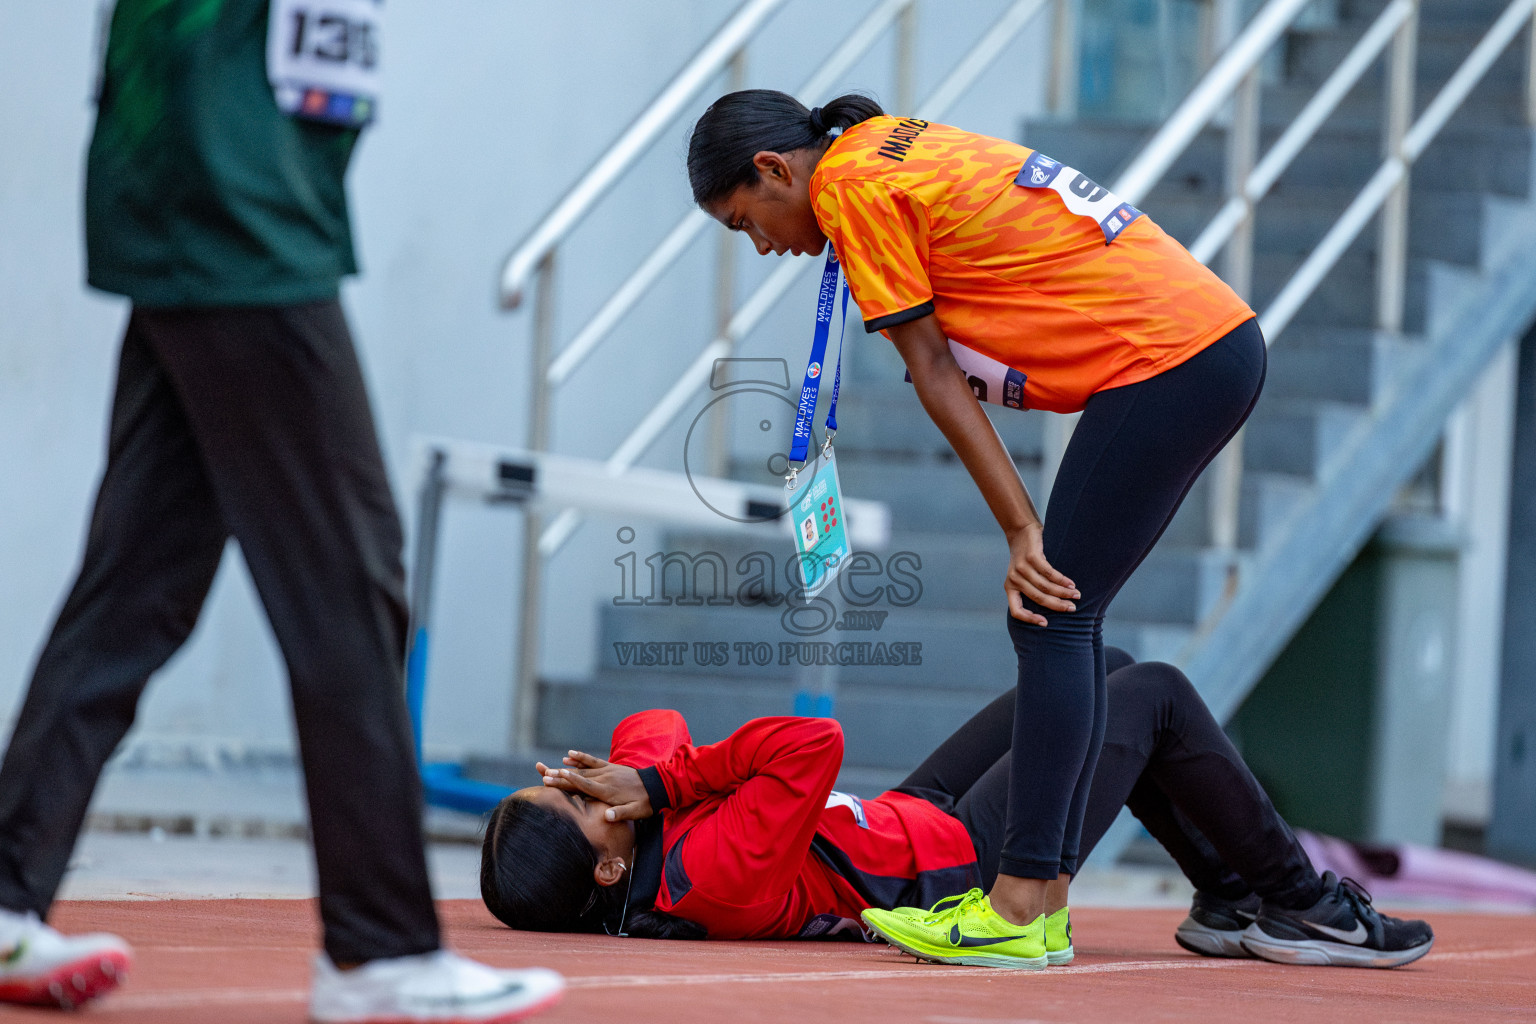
<point>1166,759</point>
<point>250,423</point>
<point>1135,454</point>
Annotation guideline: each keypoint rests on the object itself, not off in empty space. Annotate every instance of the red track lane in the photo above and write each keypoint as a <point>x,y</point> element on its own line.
<point>247,962</point>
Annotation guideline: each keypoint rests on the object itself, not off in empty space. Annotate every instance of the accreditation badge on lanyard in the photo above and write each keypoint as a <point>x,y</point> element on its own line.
<point>812,494</point>
<point>323,59</point>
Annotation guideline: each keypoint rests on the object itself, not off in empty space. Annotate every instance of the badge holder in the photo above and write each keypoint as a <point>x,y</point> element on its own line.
<point>813,499</point>
<point>812,491</point>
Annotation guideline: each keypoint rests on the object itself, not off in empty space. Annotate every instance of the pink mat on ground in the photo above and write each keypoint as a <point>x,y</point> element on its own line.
<point>1418,872</point>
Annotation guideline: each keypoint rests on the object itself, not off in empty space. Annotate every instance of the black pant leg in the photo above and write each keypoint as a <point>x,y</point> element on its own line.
<point>1191,851</point>
<point>277,401</point>
<point>983,810</point>
<point>956,764</point>
<point>151,553</point>
<point>1225,824</point>
<point>1133,457</point>
<point>971,750</point>
<point>1120,780</point>
<point>968,774</point>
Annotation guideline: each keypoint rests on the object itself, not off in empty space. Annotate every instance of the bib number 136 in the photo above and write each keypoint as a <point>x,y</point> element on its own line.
<point>323,59</point>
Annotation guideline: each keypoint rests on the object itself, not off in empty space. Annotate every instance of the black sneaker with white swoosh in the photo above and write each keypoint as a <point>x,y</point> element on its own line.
<point>1341,929</point>
<point>1215,926</point>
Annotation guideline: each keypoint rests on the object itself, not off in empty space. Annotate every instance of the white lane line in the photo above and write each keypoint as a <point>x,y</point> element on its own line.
<point>895,972</point>
<point>1484,954</point>
<point>199,997</point>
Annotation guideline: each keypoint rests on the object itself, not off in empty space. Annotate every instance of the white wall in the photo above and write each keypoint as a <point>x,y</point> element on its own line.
<point>493,110</point>
<point>1476,489</point>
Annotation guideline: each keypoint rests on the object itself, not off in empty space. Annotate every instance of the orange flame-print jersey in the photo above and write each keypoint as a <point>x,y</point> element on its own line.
<point>1031,268</point>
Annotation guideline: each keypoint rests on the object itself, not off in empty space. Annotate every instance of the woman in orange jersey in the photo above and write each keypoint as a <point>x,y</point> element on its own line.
<point>1002,275</point>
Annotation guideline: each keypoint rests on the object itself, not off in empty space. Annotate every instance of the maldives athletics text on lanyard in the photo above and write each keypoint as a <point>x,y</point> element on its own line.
<point>815,498</point>
<point>323,59</point>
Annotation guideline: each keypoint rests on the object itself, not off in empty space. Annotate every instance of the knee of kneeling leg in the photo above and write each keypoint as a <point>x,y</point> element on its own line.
<point>1155,681</point>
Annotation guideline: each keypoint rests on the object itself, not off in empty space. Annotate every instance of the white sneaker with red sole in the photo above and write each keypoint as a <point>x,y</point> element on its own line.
<point>433,988</point>
<point>40,967</point>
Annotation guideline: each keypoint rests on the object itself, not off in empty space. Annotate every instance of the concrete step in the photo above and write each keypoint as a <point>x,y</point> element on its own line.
<point>1442,225</point>
<point>1493,158</point>
<point>880,730</point>
<point>1310,58</point>
<point>885,419</point>
<point>1178,583</point>
<point>1175,586</point>
<point>1491,103</point>
<point>897,577</point>
<point>1148,641</point>
<point>951,645</point>
<point>1332,16</point>
<point>1443,11</point>
<point>1346,296</point>
<point>1338,364</point>
<point>582,715</point>
<point>1191,526</point>
<point>1270,501</point>
<point>942,649</point>
<point>964,572</point>
<point>1507,224</point>
<point>1296,436</point>
<point>935,495</point>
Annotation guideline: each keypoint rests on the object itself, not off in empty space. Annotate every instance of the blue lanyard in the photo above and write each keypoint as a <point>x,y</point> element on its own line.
<point>805,414</point>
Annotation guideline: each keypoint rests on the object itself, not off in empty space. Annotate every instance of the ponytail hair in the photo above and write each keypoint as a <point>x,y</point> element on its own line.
<point>536,875</point>
<point>739,125</point>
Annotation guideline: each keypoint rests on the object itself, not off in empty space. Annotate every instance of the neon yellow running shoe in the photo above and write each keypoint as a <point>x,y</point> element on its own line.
<point>966,931</point>
<point>1058,937</point>
<point>938,908</point>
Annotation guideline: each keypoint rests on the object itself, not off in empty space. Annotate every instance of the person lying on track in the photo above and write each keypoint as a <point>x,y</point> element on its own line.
<point>747,839</point>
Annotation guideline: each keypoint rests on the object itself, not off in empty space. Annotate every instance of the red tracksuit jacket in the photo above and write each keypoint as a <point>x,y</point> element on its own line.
<point>758,845</point>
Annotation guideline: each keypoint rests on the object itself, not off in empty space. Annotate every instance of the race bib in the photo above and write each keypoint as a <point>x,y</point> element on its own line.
<point>988,379</point>
<point>1081,194</point>
<point>323,59</point>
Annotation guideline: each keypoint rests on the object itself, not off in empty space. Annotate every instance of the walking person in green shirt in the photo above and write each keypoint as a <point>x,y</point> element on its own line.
<point>215,201</point>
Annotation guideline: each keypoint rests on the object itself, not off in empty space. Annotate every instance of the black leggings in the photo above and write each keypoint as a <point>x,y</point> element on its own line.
<point>1135,454</point>
<point>1166,759</point>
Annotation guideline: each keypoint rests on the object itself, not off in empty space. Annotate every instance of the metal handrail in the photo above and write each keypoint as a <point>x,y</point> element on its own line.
<point>1385,192</point>
<point>1233,76</point>
<point>718,52</point>
<point>1250,181</point>
<point>693,223</point>
<point>962,76</point>
<point>1213,90</point>
<point>771,290</point>
<point>1286,148</point>
<point>535,259</point>
<point>1394,170</point>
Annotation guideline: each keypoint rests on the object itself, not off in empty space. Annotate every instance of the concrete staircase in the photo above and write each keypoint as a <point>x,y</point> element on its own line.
<point>1348,415</point>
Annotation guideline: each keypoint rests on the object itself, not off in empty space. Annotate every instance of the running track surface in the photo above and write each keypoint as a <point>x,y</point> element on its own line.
<point>239,961</point>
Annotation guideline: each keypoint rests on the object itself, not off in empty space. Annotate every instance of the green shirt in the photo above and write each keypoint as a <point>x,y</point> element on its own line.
<point>199,191</point>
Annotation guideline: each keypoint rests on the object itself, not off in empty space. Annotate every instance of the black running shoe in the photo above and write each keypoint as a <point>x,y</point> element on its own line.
<point>1215,926</point>
<point>1341,929</point>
